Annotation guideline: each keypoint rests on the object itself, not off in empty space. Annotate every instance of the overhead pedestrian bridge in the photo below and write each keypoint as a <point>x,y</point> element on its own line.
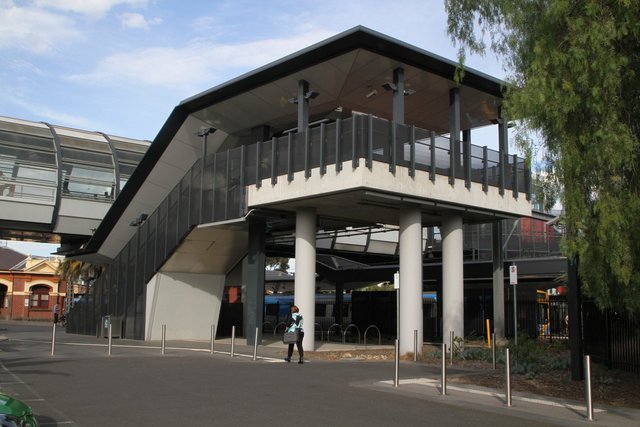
<point>57,183</point>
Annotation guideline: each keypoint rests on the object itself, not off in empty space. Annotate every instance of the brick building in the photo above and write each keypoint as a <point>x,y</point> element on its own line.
<point>29,286</point>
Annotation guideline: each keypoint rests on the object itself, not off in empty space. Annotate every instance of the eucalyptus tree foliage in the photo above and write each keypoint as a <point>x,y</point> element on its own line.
<point>277,264</point>
<point>74,271</point>
<point>573,70</point>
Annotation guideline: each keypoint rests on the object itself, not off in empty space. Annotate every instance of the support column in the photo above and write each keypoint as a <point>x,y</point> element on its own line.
<point>452,277</point>
<point>455,163</point>
<point>305,276</point>
<point>254,296</point>
<point>303,106</point>
<point>398,96</point>
<point>503,149</point>
<point>466,157</point>
<point>410,277</point>
<point>338,304</point>
<point>498,280</point>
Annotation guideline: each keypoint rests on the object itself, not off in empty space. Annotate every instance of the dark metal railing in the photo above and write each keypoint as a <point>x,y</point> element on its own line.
<point>215,192</point>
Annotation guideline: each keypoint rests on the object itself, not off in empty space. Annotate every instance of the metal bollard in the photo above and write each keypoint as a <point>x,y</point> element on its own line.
<point>213,336</point>
<point>164,336</point>
<point>415,345</point>
<point>233,339</point>
<point>444,370</point>
<point>508,373</point>
<point>587,384</point>
<point>53,340</point>
<point>493,350</point>
<point>396,380</point>
<point>255,346</point>
<point>451,336</point>
<point>109,338</point>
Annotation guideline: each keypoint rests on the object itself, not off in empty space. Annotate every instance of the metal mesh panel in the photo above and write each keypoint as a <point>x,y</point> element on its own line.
<point>220,187</point>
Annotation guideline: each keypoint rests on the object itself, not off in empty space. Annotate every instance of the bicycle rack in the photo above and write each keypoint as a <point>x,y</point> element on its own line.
<point>267,323</point>
<point>344,334</point>
<point>379,335</point>
<point>330,327</point>
<point>276,327</point>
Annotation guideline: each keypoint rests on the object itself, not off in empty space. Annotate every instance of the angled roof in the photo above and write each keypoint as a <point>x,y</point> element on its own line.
<point>10,258</point>
<point>343,69</point>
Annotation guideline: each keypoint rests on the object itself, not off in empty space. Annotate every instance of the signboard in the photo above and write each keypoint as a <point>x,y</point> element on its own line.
<point>513,275</point>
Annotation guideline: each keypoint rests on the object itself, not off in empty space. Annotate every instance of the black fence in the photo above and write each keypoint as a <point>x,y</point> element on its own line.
<point>543,320</point>
<point>611,337</point>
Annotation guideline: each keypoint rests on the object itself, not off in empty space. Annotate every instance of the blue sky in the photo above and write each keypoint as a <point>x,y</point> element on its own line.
<point>120,66</point>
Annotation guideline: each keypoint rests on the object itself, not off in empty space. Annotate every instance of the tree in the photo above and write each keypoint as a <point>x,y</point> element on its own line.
<point>277,264</point>
<point>74,271</point>
<point>573,76</point>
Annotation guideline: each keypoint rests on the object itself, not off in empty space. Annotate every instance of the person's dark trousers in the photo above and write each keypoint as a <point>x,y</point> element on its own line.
<point>299,345</point>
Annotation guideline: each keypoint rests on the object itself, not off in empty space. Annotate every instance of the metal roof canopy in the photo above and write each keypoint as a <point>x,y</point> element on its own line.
<point>348,72</point>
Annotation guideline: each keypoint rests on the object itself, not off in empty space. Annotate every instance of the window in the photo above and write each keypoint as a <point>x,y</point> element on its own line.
<point>40,297</point>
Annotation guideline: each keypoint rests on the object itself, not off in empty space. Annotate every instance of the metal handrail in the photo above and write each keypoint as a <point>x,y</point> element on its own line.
<point>344,334</point>
<point>379,335</point>
<point>330,327</point>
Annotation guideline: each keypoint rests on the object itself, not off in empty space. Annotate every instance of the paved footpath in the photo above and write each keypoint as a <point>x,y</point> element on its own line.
<point>81,385</point>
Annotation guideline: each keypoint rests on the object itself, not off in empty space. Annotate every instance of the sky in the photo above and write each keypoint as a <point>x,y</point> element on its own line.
<point>121,66</point>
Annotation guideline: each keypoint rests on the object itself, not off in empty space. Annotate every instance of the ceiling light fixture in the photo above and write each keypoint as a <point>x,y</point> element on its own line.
<point>389,86</point>
<point>371,92</point>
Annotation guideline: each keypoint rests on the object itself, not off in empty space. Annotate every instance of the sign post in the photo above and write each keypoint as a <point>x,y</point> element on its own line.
<point>513,280</point>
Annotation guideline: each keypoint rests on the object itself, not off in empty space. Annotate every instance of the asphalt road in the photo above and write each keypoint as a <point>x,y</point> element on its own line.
<point>138,386</point>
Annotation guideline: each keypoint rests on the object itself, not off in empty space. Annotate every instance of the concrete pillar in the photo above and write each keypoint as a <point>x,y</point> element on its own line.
<point>254,295</point>
<point>498,280</point>
<point>452,277</point>
<point>410,278</point>
<point>305,276</point>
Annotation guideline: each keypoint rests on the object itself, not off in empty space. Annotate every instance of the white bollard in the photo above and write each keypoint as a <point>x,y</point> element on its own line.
<point>255,345</point>
<point>53,340</point>
<point>444,370</point>
<point>213,336</point>
<point>508,374</point>
<point>164,335</point>
<point>587,384</point>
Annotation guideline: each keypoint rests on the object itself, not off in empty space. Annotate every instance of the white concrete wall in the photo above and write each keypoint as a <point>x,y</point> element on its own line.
<point>380,178</point>
<point>187,303</point>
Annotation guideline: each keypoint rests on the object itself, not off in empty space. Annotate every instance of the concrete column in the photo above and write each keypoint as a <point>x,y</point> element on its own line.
<point>305,276</point>
<point>254,295</point>
<point>498,280</point>
<point>410,277</point>
<point>452,277</point>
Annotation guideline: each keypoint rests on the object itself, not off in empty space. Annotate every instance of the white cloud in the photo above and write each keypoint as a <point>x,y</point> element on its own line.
<point>199,63</point>
<point>136,20</point>
<point>94,8</point>
<point>33,30</point>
